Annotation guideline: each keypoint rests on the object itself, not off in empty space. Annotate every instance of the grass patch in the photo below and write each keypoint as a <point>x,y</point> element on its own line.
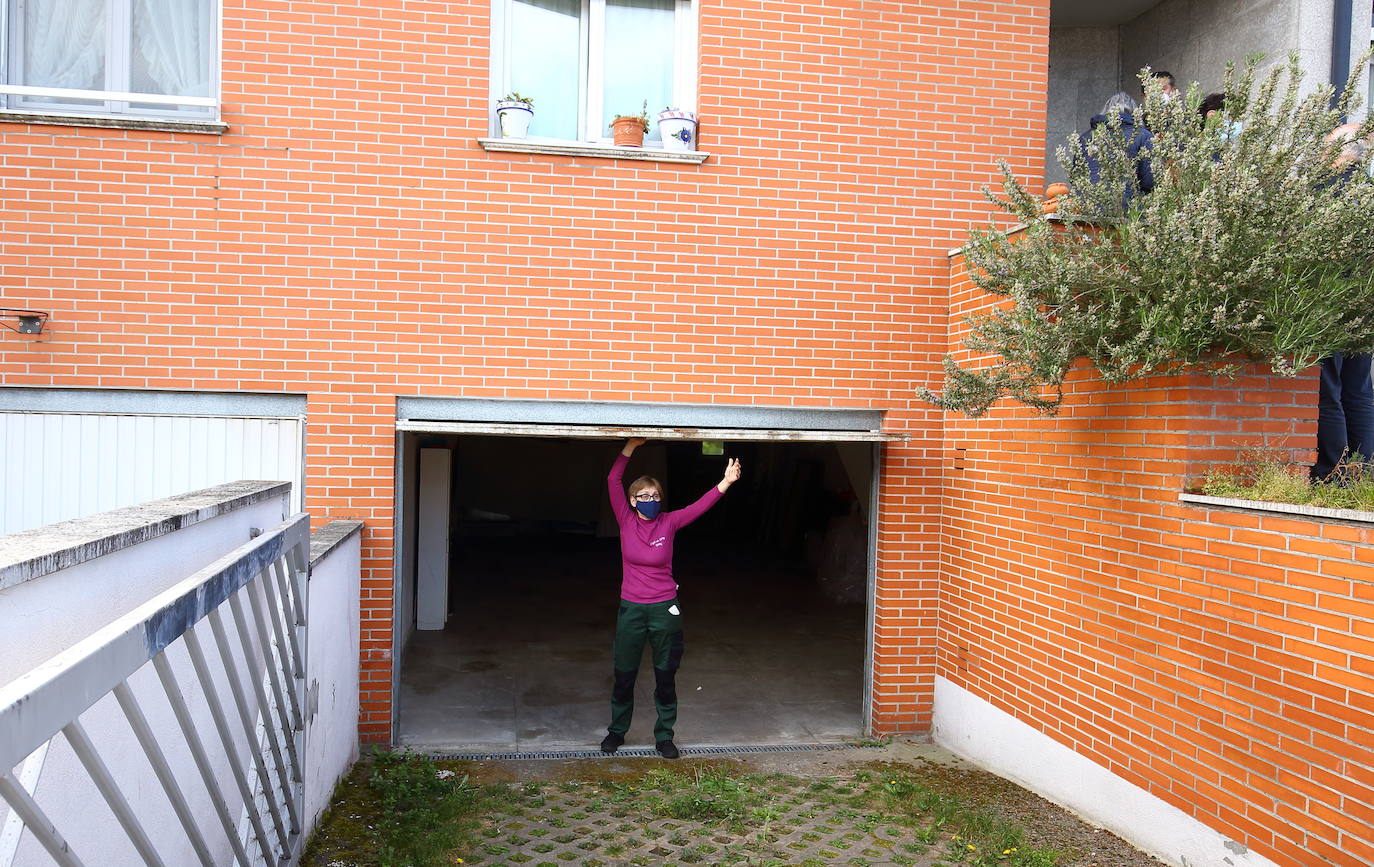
<point>400,809</point>
<point>422,809</point>
<point>1264,476</point>
<point>974,834</point>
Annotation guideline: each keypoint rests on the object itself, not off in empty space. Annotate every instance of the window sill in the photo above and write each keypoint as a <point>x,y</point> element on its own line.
<point>588,149</point>
<point>205,127</point>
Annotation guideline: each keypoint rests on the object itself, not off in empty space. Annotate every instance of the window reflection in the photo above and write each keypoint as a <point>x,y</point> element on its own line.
<point>545,49</point>
<point>638,63</point>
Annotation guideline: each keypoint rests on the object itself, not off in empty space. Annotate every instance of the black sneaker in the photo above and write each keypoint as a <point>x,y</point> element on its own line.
<point>667,749</point>
<point>612,742</point>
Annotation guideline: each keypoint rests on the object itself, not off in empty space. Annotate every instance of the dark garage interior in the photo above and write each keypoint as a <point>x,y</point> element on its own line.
<point>773,588</point>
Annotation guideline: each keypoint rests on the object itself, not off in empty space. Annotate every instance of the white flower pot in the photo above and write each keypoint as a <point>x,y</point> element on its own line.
<point>678,130</point>
<point>515,118</point>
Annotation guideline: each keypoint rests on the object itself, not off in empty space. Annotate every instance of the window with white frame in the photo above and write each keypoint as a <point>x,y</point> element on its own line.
<point>586,61</point>
<point>116,58</point>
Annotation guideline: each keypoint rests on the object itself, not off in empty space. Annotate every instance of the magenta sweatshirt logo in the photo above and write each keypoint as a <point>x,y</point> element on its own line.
<point>658,543</point>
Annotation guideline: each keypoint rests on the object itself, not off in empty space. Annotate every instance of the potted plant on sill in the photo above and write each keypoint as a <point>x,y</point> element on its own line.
<point>627,130</point>
<point>678,129</point>
<point>514,112</point>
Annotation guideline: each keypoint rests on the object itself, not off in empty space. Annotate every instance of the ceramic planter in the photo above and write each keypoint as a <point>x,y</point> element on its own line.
<point>628,132</point>
<point>678,129</point>
<point>515,118</point>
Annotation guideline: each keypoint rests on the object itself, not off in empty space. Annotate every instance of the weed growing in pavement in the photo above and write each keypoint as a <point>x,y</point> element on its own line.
<point>421,809</point>
<point>979,837</point>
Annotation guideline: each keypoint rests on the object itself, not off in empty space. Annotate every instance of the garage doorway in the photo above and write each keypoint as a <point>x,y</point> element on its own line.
<point>775,587</point>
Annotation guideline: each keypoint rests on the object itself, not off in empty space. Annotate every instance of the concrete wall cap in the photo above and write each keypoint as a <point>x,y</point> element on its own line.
<point>324,540</point>
<point>41,551</point>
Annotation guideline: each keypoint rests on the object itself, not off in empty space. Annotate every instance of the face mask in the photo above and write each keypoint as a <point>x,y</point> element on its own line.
<point>649,508</point>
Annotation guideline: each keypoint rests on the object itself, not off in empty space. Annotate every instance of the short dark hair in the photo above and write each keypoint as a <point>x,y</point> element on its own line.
<point>1211,102</point>
<point>1159,73</point>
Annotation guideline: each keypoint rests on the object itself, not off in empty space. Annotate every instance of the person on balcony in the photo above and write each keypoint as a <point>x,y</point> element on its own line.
<point>1345,395</point>
<point>649,608</point>
<point>1121,108</point>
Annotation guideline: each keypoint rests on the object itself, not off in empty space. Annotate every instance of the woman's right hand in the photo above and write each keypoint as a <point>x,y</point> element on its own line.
<point>631,444</point>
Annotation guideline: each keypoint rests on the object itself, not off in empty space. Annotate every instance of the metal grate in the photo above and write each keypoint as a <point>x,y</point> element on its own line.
<point>646,752</point>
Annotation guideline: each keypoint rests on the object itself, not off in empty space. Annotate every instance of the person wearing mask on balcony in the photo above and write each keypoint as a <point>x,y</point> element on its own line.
<point>1121,108</point>
<point>649,608</point>
<point>1345,395</point>
<point>1168,87</point>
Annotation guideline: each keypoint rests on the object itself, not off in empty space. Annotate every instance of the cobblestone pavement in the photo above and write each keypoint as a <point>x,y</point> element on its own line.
<point>794,822</point>
<point>862,816</point>
<point>906,804</point>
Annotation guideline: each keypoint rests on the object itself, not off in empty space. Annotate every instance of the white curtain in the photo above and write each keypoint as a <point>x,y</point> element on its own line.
<point>64,44</point>
<point>640,45</point>
<point>173,45</point>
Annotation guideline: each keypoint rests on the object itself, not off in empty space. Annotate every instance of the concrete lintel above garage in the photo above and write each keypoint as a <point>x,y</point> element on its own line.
<point>658,433</point>
<point>609,420</point>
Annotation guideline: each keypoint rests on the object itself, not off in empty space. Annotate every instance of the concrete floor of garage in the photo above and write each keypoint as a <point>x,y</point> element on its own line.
<point>524,662</point>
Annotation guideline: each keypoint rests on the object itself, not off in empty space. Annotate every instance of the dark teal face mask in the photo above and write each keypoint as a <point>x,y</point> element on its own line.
<point>648,508</point>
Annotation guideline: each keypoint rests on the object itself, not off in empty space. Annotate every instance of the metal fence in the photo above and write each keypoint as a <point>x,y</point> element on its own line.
<point>240,622</point>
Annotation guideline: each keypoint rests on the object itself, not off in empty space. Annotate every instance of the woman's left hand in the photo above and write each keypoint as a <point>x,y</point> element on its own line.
<point>731,473</point>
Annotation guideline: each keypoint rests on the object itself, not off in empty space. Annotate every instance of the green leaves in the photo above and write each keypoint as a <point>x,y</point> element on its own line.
<point>1253,244</point>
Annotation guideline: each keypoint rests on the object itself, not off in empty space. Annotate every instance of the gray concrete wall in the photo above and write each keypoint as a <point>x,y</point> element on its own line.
<point>1084,66</point>
<point>1194,39</point>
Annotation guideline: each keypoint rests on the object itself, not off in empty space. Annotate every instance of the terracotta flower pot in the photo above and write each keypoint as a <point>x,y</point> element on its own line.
<point>628,132</point>
<point>1052,194</point>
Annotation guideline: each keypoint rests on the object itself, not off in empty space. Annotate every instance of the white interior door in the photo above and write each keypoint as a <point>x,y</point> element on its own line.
<point>431,568</point>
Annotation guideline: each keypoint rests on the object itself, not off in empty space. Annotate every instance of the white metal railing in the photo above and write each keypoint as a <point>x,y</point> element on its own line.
<point>260,652</point>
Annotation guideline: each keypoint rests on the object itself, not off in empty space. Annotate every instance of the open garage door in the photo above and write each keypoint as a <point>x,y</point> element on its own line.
<point>777,578</point>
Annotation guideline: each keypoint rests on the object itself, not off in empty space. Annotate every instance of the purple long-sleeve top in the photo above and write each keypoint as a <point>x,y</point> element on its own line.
<point>646,547</point>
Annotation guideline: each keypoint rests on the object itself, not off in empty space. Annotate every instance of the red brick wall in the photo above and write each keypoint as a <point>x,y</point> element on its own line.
<point>1219,659</point>
<point>348,239</point>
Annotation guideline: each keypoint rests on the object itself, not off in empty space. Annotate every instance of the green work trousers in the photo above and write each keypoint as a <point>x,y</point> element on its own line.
<point>659,623</point>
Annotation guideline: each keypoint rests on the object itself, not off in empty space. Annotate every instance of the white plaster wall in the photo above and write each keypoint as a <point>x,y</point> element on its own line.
<point>973,728</point>
<point>1194,39</point>
<point>1084,62</point>
<point>331,739</point>
<point>46,615</point>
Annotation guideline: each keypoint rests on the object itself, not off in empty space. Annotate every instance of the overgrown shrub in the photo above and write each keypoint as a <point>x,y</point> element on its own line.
<point>1251,246</point>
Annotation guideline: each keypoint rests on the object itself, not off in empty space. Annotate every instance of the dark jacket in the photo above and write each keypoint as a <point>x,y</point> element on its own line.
<point>1138,141</point>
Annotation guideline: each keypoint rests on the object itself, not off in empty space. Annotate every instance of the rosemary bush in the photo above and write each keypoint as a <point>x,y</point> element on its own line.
<point>1252,246</point>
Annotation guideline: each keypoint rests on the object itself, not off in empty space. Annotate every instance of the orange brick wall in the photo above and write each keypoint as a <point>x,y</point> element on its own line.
<point>348,239</point>
<point>1219,659</point>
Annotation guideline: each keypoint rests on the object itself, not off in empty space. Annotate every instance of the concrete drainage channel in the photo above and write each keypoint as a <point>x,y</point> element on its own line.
<point>649,752</point>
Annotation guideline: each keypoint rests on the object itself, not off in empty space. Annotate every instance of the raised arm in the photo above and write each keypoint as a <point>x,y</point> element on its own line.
<point>615,481</point>
<point>683,517</point>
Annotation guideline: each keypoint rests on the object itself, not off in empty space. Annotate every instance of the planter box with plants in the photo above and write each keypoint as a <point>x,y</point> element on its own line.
<point>678,129</point>
<point>514,113</point>
<point>628,130</point>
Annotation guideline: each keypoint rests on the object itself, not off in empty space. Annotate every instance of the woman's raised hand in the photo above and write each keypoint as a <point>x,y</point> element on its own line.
<point>631,444</point>
<point>731,474</point>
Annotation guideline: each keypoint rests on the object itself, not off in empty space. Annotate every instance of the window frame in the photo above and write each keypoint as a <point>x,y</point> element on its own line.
<point>591,75</point>
<point>26,100</point>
